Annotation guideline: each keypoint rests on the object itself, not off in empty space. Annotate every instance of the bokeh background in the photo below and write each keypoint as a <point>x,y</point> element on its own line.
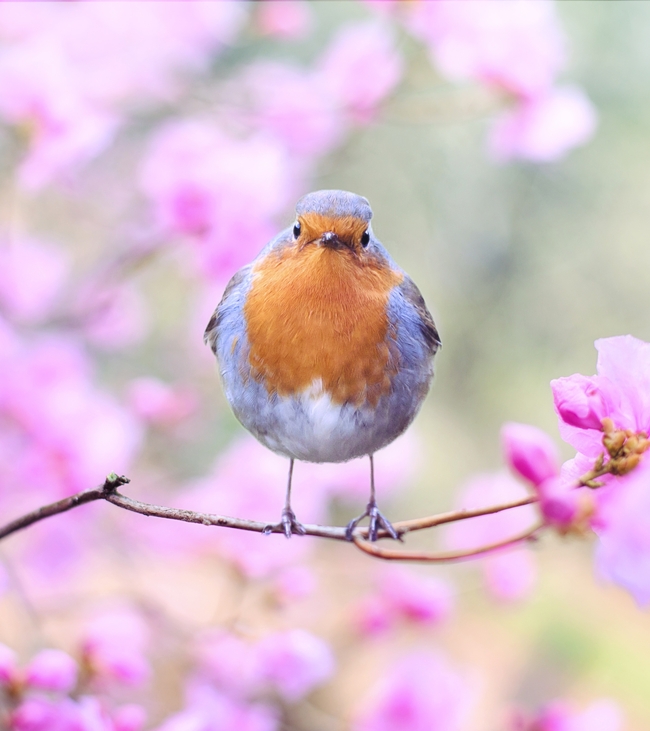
<point>147,150</point>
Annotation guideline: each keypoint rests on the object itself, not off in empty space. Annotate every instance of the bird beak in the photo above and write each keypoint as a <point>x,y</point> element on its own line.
<point>331,240</point>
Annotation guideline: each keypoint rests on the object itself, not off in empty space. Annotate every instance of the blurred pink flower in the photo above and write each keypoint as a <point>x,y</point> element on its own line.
<point>530,452</point>
<point>199,183</point>
<point>64,433</point>
<point>516,45</point>
<point>114,645</point>
<point>209,710</point>
<point>294,582</point>
<point>601,715</point>
<point>131,717</point>
<point>286,19</point>
<point>544,128</point>
<point>38,95</point>
<point>290,103</point>
<point>623,551</point>
<point>141,48</point>
<point>65,714</point>
<point>404,594</point>
<point>295,662</point>
<point>360,68</point>
<point>31,277</point>
<point>160,404</point>
<point>51,670</point>
<point>419,693</point>
<point>510,573</point>
<point>8,665</point>
<point>230,663</point>
<point>113,317</point>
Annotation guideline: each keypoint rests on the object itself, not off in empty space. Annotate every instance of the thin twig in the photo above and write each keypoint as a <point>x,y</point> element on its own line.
<point>390,554</point>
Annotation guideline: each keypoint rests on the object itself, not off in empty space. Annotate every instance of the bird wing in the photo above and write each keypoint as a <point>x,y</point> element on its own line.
<point>412,295</point>
<point>231,297</point>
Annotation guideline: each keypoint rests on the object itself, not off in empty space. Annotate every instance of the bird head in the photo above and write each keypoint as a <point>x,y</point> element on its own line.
<point>334,219</point>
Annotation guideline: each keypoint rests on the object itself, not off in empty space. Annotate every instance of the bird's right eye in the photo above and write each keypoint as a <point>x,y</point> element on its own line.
<point>296,230</point>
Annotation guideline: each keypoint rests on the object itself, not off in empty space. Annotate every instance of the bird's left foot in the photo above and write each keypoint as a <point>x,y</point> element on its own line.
<point>377,522</point>
<point>288,524</point>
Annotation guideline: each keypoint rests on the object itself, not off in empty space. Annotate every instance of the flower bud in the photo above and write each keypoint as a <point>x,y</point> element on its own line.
<point>530,452</point>
<point>559,503</point>
<point>581,401</point>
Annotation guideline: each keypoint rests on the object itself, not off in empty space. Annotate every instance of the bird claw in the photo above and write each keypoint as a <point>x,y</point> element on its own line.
<point>287,525</point>
<point>377,522</point>
<point>290,526</point>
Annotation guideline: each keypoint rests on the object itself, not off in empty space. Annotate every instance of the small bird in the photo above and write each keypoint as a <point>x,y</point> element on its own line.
<point>325,346</point>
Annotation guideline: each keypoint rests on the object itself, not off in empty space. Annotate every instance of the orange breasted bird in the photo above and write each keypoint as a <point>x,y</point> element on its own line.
<point>325,346</point>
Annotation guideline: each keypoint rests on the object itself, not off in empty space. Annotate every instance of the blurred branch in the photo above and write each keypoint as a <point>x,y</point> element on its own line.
<point>447,556</point>
<point>108,491</point>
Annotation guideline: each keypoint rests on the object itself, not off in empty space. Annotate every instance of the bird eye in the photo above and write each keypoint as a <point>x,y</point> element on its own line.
<point>296,230</point>
<point>365,239</point>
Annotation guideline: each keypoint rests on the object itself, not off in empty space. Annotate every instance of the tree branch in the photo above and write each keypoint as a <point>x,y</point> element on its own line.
<point>108,491</point>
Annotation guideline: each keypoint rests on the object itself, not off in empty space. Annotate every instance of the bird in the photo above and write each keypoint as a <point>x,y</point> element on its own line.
<point>325,345</point>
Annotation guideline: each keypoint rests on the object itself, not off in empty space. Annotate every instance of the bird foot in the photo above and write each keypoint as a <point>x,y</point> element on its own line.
<point>288,525</point>
<point>377,522</point>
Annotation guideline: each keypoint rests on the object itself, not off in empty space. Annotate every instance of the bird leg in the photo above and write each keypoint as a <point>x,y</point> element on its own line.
<point>377,520</point>
<point>288,522</point>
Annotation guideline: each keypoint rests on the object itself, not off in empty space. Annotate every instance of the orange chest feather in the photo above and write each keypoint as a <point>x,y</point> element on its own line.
<point>318,315</point>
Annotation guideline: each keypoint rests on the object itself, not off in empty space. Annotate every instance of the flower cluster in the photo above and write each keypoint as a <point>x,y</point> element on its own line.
<point>516,49</point>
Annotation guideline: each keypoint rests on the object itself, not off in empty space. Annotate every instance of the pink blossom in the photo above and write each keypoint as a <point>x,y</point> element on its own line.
<point>8,665</point>
<point>580,401</point>
<point>621,392</point>
<point>46,393</point>
<point>623,551</point>
<point>40,714</point>
<point>402,593</point>
<point>51,670</point>
<point>31,277</point>
<point>230,662</point>
<point>509,574</point>
<point>140,50</point>
<point>286,19</point>
<point>601,715</point>
<point>360,68</point>
<point>515,45</point>
<point>157,403</point>
<point>131,717</point>
<point>291,104</point>
<point>419,693</point>
<point>64,130</point>
<point>544,128</point>
<point>209,710</point>
<point>373,617</point>
<point>560,502</point>
<point>114,645</point>
<point>295,582</point>
<point>530,452</point>
<point>113,317</point>
<point>295,662</point>
<point>199,183</point>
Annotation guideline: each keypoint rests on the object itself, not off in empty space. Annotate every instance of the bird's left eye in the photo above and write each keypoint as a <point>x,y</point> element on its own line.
<point>365,239</point>
<point>296,230</point>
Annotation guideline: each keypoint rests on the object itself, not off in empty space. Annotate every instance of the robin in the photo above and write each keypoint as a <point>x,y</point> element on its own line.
<point>324,344</point>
